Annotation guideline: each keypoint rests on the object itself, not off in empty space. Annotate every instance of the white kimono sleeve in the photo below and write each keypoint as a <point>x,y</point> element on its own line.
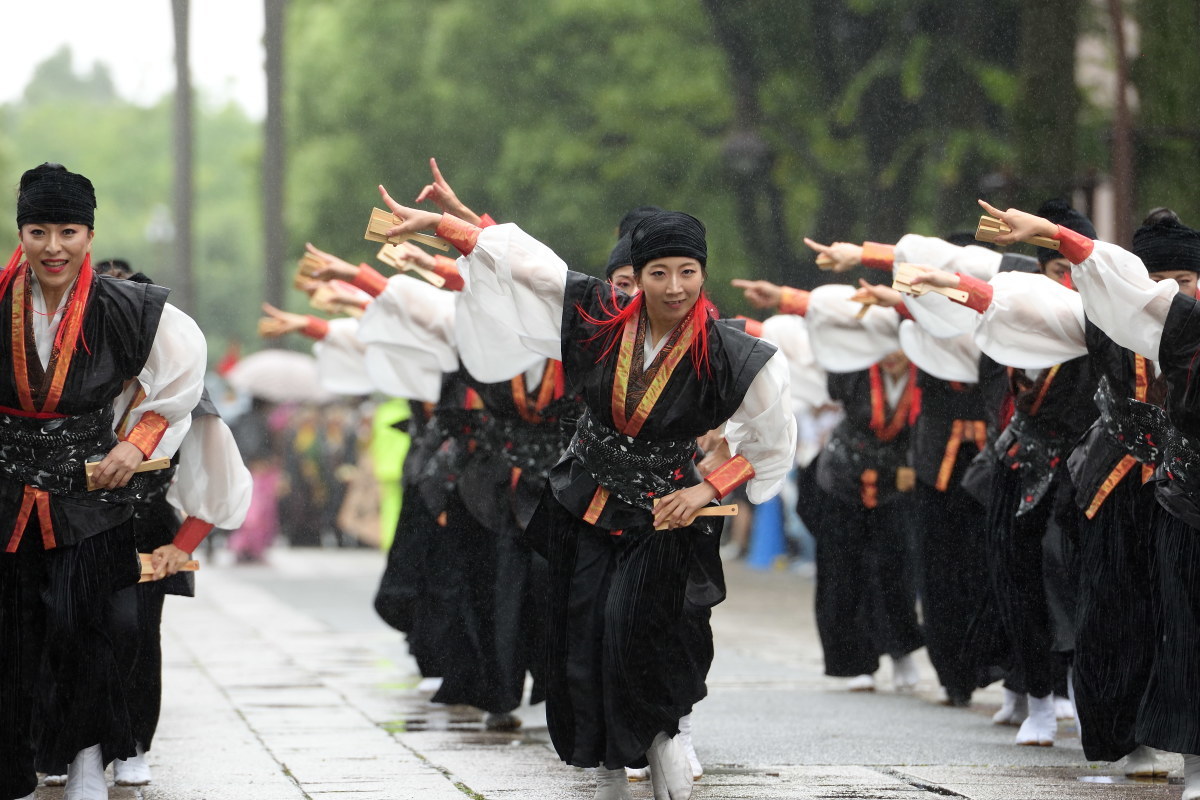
<point>955,359</point>
<point>340,359</point>
<point>763,429</point>
<point>173,379</point>
<point>1033,322</point>
<point>938,315</point>
<point>408,337</point>
<point>212,483</point>
<point>809,383</point>
<point>840,340</point>
<point>1121,298</point>
<point>514,284</point>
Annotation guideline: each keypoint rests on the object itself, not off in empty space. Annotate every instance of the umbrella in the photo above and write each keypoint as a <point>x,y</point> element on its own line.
<point>279,376</point>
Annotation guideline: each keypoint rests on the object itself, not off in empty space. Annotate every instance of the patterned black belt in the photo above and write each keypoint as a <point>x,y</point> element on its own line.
<point>634,470</point>
<point>49,454</point>
<point>1132,424</point>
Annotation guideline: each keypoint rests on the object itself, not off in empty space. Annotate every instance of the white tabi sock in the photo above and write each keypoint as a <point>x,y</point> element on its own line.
<point>611,785</point>
<point>1014,709</point>
<point>85,776</point>
<point>685,739</point>
<point>132,772</point>
<point>861,683</point>
<point>905,673</point>
<point>1041,726</point>
<point>636,774</point>
<point>1143,762</point>
<point>670,772</point>
<point>1191,777</point>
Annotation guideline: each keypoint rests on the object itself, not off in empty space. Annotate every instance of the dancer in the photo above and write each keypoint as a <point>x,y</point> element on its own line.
<point>74,342</point>
<point>1157,320</point>
<point>619,675</point>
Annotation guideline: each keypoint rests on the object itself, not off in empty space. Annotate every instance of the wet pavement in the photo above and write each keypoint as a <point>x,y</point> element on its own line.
<point>281,683</point>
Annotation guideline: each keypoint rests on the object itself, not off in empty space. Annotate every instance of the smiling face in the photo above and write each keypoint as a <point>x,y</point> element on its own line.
<point>56,251</point>
<point>671,286</point>
<point>1186,278</point>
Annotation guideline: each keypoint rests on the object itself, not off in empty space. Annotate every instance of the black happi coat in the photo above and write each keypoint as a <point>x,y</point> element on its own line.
<point>691,404</point>
<point>854,448</point>
<point>119,326</point>
<point>943,403</point>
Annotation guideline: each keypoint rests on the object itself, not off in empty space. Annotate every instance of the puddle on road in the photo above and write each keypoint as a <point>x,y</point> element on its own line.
<point>1128,781</point>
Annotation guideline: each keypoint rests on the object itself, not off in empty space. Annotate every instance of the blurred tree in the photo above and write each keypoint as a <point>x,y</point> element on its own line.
<point>1168,117</point>
<point>274,146</point>
<point>183,134</point>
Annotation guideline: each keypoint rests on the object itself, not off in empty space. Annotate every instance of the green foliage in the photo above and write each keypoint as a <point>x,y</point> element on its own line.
<point>125,150</point>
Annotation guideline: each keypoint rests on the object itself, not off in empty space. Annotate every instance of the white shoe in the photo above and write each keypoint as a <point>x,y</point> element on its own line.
<point>1063,708</point>
<point>133,771</point>
<point>1013,711</point>
<point>430,685</point>
<point>1143,763</point>
<point>636,775</point>
<point>611,784</point>
<point>85,776</point>
<point>54,780</point>
<point>670,773</point>
<point>861,683</point>
<point>1041,726</point>
<point>1191,777</point>
<point>685,739</point>
<point>905,673</point>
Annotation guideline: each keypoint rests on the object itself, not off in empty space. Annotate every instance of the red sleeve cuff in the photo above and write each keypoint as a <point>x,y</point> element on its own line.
<point>902,310</point>
<point>369,280</point>
<point>1074,246</point>
<point>979,293</point>
<point>149,431</point>
<point>486,221</point>
<point>730,475</point>
<point>793,301</point>
<point>878,256</point>
<point>316,328</point>
<point>753,327</point>
<point>191,533</point>
<point>447,269</point>
<point>462,235</point>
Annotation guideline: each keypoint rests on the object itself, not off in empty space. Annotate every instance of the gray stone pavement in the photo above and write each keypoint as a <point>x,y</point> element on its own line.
<point>281,683</point>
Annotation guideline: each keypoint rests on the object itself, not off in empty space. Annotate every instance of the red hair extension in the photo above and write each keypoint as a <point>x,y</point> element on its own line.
<point>10,271</point>
<point>613,323</point>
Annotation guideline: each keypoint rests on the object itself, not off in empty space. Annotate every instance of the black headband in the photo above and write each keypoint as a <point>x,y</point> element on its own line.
<point>619,257</point>
<point>1167,244</point>
<point>668,233</point>
<point>51,194</point>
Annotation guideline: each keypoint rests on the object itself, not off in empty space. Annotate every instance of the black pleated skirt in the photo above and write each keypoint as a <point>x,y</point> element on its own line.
<point>627,651</point>
<point>1169,718</point>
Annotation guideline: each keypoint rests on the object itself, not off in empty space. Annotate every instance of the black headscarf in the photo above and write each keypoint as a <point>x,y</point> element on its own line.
<point>1167,244</point>
<point>668,233</point>
<point>51,194</point>
<point>1059,212</point>
<point>619,257</point>
<point>634,216</point>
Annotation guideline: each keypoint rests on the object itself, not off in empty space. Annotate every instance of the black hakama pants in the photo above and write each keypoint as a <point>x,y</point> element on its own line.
<point>951,529</point>
<point>61,616</point>
<point>1169,718</point>
<point>865,598</point>
<point>627,650</point>
<point>490,641</point>
<point>1114,622</point>
<point>1015,558</point>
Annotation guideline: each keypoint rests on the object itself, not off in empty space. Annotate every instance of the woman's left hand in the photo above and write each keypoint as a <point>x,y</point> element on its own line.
<point>115,470</point>
<point>677,509</point>
<point>332,267</point>
<point>167,560</point>
<point>412,220</point>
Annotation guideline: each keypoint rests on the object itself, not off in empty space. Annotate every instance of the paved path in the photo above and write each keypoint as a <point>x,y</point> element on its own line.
<point>281,684</point>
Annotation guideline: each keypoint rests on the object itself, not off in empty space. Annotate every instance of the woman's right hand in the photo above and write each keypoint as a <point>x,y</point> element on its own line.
<point>839,256</point>
<point>332,267</point>
<point>441,195</point>
<point>883,296</point>
<point>1024,225</point>
<point>412,220</point>
<point>760,294</point>
<point>279,323</point>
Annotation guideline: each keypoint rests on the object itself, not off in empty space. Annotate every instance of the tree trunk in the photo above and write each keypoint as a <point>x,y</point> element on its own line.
<point>1122,143</point>
<point>1045,119</point>
<point>274,234</point>
<point>184,296</point>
